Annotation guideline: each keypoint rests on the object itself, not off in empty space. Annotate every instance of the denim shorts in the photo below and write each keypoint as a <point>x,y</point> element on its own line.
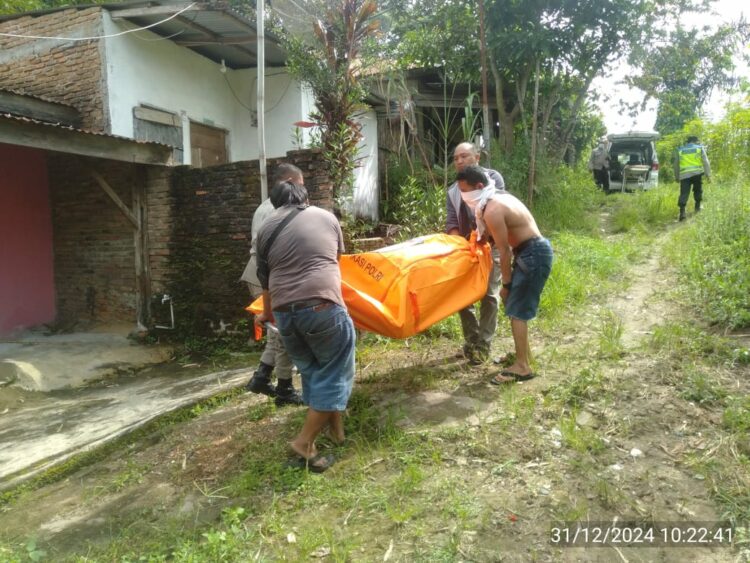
<point>531,268</point>
<point>321,342</point>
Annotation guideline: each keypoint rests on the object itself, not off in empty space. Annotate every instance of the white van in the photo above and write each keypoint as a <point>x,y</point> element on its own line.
<point>633,163</point>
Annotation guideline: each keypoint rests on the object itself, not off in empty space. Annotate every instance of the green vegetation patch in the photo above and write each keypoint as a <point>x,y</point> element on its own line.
<point>712,255</point>
<point>642,211</point>
<point>585,267</point>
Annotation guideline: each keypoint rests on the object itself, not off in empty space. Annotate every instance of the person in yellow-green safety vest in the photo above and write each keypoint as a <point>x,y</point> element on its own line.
<point>691,163</point>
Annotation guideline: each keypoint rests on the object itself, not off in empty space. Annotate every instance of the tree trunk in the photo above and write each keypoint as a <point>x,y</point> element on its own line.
<point>532,157</point>
<point>581,97</point>
<point>508,119</point>
<point>549,104</point>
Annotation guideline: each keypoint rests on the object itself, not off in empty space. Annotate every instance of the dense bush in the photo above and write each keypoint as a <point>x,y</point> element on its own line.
<point>564,198</point>
<point>727,144</point>
<point>712,252</point>
<point>415,201</point>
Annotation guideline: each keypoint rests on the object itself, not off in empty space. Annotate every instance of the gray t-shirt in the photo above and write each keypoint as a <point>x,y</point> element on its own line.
<point>304,258</point>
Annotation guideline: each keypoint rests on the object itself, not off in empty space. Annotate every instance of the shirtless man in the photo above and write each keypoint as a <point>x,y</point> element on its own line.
<point>514,232</point>
<point>478,329</point>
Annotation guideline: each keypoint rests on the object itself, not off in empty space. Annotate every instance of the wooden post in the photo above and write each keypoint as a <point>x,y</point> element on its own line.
<point>142,264</point>
<point>138,242</point>
<point>261,98</point>
<point>137,217</point>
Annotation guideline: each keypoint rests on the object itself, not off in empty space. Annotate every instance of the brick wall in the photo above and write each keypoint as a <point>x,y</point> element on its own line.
<point>69,72</point>
<point>93,241</point>
<point>198,229</point>
<point>199,233</point>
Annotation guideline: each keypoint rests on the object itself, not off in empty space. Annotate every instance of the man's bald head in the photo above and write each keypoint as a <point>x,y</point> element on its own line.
<point>465,154</point>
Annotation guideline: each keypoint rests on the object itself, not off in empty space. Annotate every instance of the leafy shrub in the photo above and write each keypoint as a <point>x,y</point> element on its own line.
<point>737,415</point>
<point>727,144</point>
<point>419,209</point>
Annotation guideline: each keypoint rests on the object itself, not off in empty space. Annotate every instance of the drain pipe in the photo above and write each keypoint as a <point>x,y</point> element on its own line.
<point>167,298</point>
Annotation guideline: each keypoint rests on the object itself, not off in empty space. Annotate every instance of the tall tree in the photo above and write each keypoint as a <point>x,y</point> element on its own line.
<point>682,71</point>
<point>576,40</point>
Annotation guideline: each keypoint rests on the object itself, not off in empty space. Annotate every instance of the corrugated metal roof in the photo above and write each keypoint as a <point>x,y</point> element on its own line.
<point>213,30</point>
<point>35,96</point>
<point>12,117</point>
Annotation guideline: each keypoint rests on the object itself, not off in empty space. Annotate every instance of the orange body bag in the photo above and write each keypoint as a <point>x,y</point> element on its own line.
<point>400,290</point>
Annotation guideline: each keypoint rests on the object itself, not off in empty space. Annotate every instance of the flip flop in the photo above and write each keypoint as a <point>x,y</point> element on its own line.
<point>518,376</point>
<point>497,381</point>
<point>316,464</point>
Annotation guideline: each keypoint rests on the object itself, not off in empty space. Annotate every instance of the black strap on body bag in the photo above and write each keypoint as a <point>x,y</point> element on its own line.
<point>263,269</point>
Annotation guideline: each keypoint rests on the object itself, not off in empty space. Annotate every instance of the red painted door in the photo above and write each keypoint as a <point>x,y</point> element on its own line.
<point>27,287</point>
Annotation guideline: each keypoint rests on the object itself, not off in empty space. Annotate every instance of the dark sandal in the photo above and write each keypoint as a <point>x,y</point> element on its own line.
<point>500,379</point>
<point>518,376</point>
<point>316,464</point>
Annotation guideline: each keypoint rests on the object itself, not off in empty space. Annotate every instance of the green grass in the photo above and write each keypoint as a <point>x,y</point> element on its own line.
<point>736,417</point>
<point>643,211</point>
<point>587,385</point>
<point>610,336</point>
<point>581,439</point>
<point>686,343</point>
<point>699,387</point>
<point>711,253</point>
<point>584,268</point>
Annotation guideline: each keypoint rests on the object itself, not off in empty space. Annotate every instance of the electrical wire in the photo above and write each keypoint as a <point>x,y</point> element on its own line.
<point>186,8</point>
<point>229,85</point>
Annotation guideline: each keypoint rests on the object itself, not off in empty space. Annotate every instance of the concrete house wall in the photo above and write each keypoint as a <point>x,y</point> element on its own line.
<point>150,71</point>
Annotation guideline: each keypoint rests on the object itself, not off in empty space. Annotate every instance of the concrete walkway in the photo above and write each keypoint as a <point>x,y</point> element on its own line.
<point>39,430</point>
<point>39,362</point>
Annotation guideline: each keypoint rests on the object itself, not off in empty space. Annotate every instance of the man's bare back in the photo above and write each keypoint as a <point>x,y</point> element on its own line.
<point>509,221</point>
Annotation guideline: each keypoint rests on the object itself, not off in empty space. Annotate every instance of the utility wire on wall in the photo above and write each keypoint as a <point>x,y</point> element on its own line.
<point>20,36</point>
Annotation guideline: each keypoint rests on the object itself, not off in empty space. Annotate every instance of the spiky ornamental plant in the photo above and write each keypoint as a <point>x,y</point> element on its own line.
<point>331,66</point>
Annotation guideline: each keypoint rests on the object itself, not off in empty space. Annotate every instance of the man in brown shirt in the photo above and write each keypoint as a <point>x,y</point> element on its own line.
<point>301,280</point>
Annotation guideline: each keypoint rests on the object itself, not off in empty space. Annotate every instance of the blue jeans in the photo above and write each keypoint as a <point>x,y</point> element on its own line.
<point>321,342</point>
<point>531,268</point>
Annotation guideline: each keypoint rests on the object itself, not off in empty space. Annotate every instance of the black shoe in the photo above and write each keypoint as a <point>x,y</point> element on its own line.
<point>465,351</point>
<point>683,216</point>
<point>479,355</point>
<point>286,394</point>
<point>697,206</point>
<point>260,381</point>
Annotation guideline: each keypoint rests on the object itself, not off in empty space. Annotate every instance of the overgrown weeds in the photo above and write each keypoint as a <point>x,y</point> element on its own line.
<point>712,256</point>
<point>643,211</point>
